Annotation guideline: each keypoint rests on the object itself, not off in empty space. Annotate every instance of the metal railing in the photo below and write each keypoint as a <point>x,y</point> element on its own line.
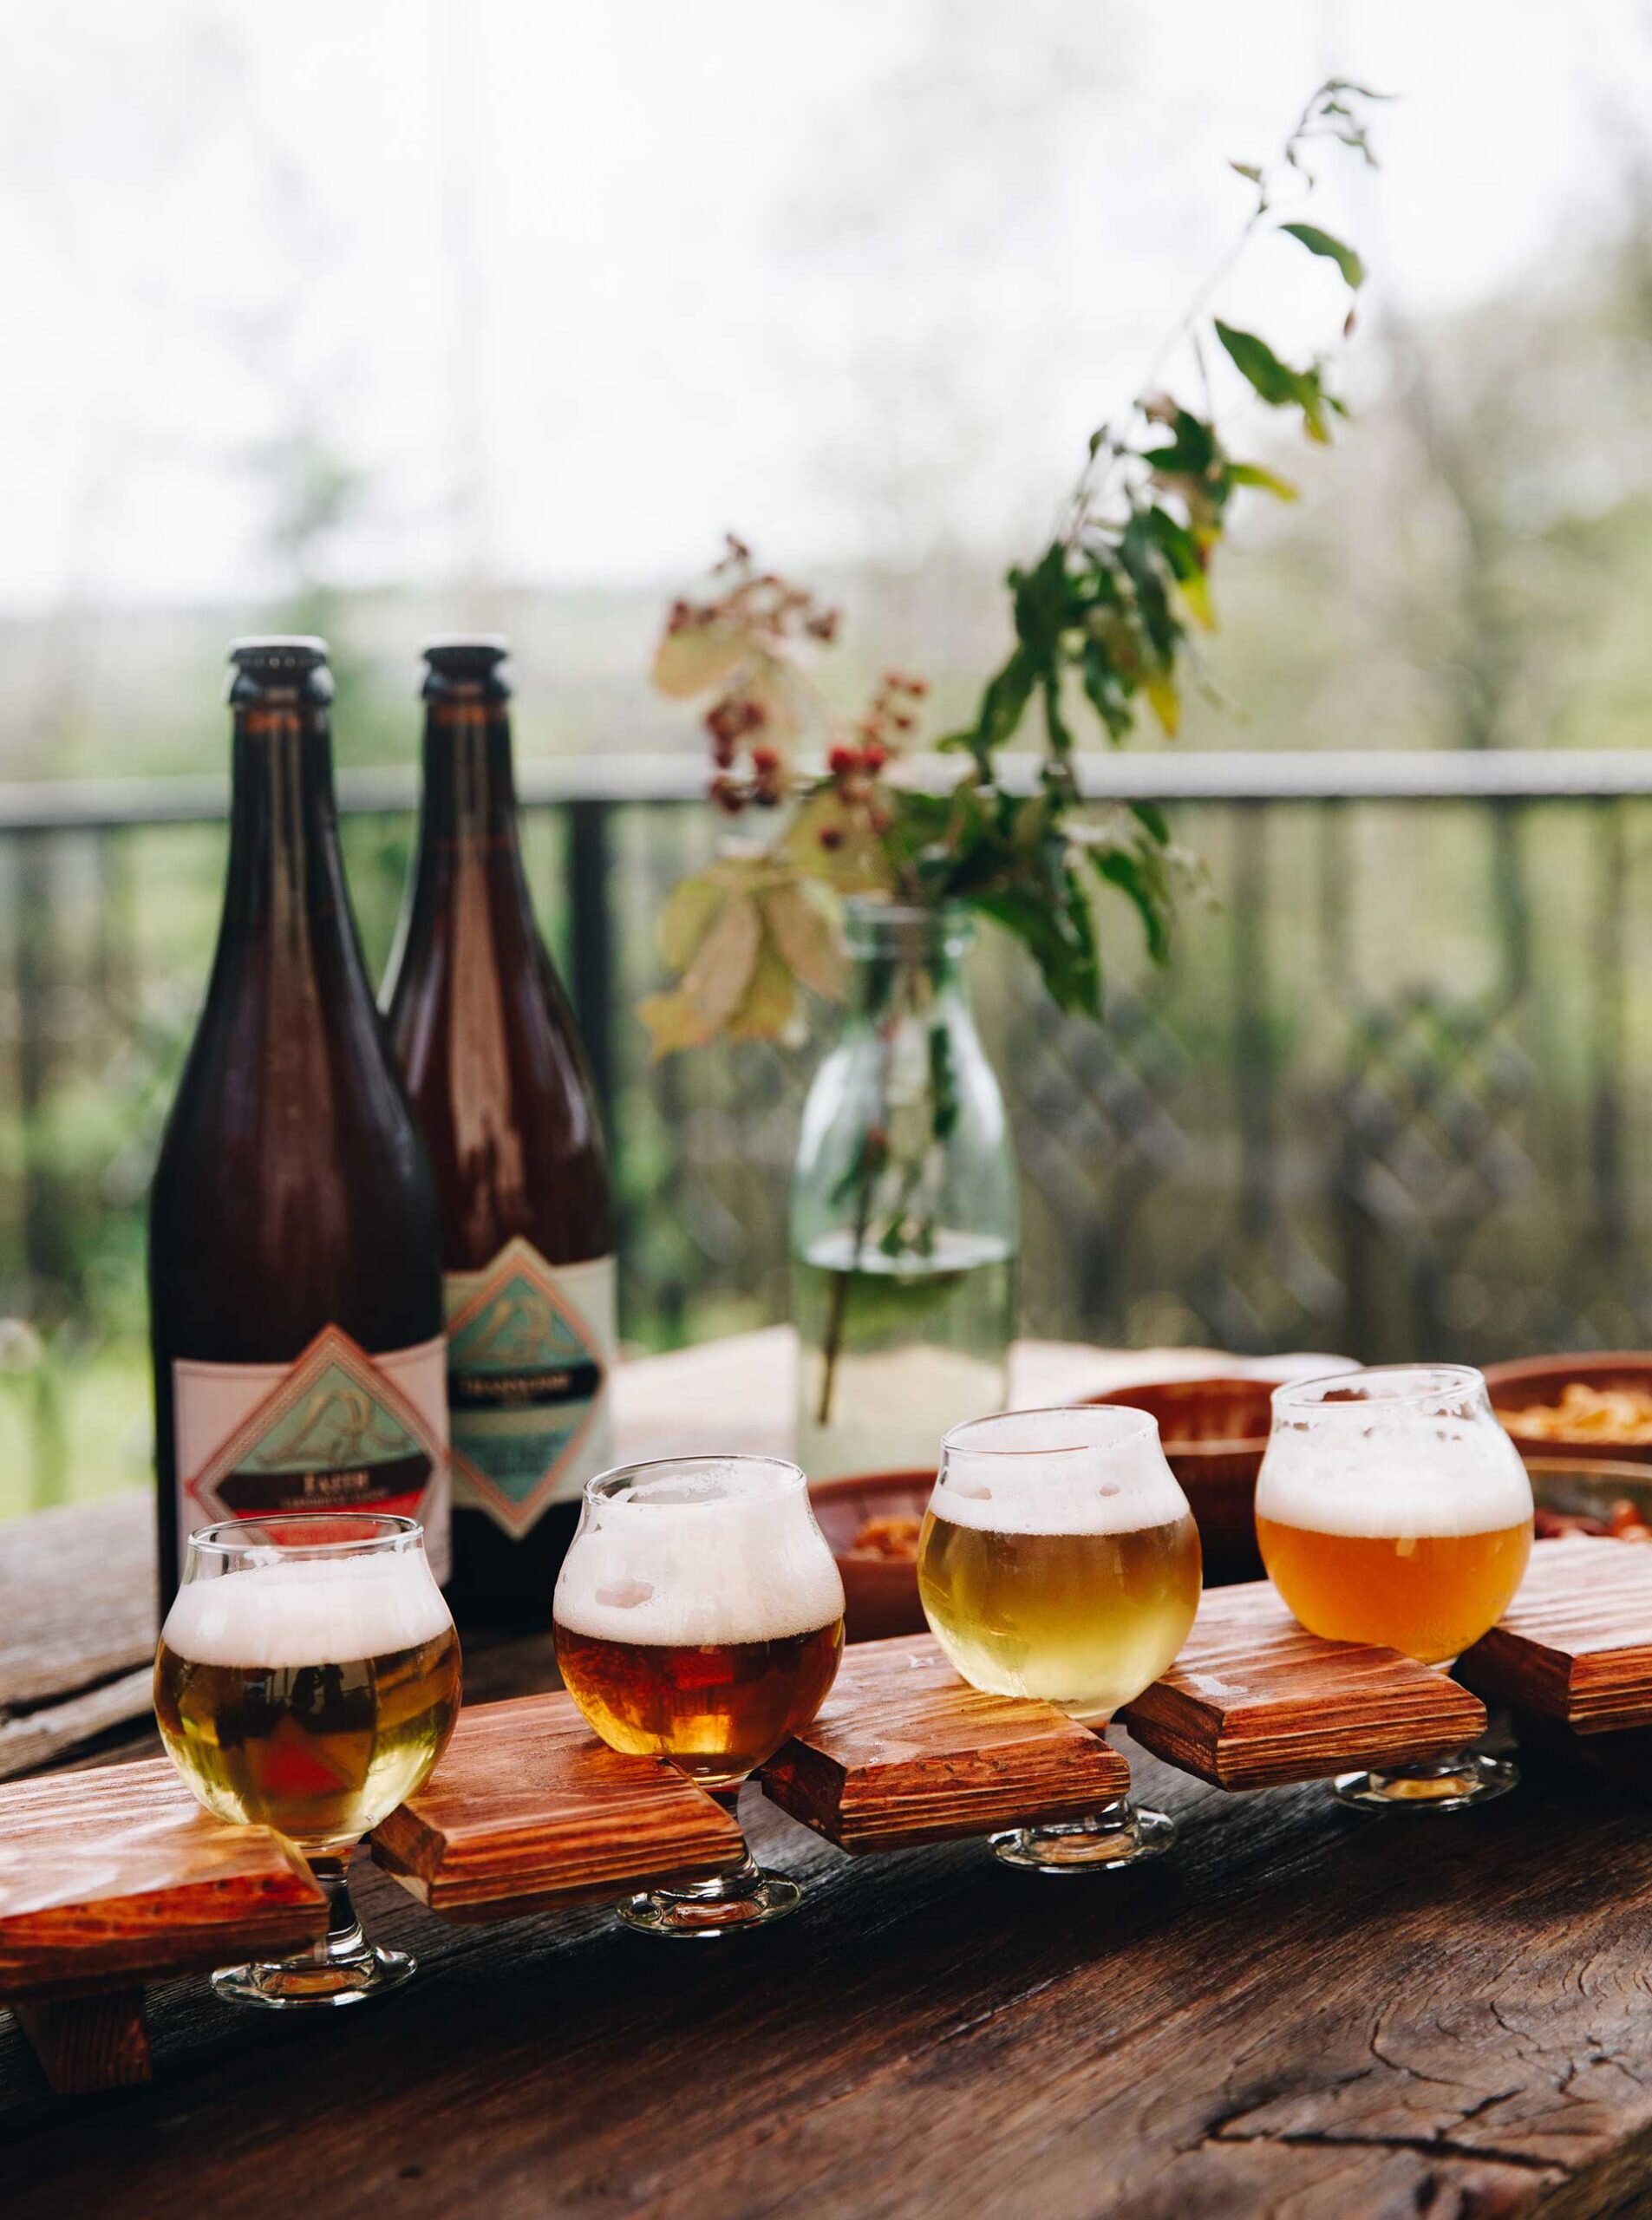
<point>1391,1096</point>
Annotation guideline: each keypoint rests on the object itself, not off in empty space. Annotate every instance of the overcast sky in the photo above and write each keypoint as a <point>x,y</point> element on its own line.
<point>574,286</point>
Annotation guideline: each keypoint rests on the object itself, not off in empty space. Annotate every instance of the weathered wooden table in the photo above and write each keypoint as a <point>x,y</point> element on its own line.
<point>1303,2013</point>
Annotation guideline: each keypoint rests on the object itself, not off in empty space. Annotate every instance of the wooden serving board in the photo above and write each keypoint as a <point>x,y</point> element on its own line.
<point>115,1877</point>
<point>1255,1701</point>
<point>527,1810</point>
<point>903,1751</point>
<point>1576,1644</point>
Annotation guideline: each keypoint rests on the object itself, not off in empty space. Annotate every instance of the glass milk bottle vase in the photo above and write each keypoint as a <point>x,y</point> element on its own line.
<point>903,1211</point>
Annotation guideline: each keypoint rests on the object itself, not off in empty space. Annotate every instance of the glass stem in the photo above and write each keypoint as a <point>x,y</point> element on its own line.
<point>343,1938</point>
<point>740,1879</point>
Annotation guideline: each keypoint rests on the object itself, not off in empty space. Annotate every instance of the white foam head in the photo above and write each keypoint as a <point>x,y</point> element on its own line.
<point>1098,1469</point>
<point>699,1550</point>
<point>291,1611</point>
<point>1399,1451</point>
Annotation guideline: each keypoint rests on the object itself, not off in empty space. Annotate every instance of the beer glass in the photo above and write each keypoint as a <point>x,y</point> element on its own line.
<point>307,1680</point>
<point>1392,1508</point>
<point>1059,1559</point>
<point>699,1617</point>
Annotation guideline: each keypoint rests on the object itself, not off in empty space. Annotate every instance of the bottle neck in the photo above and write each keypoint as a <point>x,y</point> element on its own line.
<point>469,799</point>
<point>907,964</point>
<point>285,860</point>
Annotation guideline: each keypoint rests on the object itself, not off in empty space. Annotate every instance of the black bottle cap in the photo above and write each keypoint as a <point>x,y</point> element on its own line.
<point>280,667</point>
<point>458,663</point>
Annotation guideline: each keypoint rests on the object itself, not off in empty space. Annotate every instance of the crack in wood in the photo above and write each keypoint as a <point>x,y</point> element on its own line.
<point>1428,2146</point>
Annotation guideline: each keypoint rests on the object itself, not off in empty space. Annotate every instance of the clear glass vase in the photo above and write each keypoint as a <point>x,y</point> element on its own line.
<point>904,1209</point>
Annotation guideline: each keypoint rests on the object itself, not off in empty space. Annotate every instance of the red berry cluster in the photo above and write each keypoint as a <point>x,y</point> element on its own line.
<point>856,765</point>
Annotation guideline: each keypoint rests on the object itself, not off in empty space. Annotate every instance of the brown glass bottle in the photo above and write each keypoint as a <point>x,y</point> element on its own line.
<point>498,1077</point>
<point>295,1285</point>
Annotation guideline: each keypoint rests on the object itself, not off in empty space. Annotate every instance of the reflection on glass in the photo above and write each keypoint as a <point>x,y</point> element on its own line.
<point>699,1617</point>
<point>1059,1559</point>
<point>1392,1508</point>
<point>307,1680</point>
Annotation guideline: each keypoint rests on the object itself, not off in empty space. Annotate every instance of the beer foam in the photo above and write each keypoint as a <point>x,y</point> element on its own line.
<point>713,1553</point>
<point>293,1612</point>
<point>1098,1471</point>
<point>1390,1472</point>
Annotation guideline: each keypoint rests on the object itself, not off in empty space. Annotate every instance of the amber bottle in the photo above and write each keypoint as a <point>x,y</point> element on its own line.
<point>497,1077</point>
<point>295,1285</point>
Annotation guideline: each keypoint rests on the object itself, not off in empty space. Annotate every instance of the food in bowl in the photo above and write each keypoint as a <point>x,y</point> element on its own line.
<point>890,1540</point>
<point>1619,1415</point>
<point>1583,1495</point>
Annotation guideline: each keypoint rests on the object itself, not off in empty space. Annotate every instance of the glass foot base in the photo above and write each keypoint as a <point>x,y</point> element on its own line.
<point>1451,1784</point>
<point>714,1907</point>
<point>1118,1835</point>
<point>284,1984</point>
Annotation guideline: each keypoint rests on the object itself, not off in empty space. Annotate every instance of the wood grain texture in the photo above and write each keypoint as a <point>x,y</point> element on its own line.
<point>85,2044</point>
<point>117,1876</point>
<point>1301,2015</point>
<point>1255,1701</point>
<point>1576,1644</point>
<point>77,1597</point>
<point>528,1808</point>
<point>903,1751</point>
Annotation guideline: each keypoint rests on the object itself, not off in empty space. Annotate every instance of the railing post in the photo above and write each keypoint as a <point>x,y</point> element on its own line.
<point>591,944</point>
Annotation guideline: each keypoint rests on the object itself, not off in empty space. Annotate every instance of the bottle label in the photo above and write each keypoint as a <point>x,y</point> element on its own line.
<point>530,1346</point>
<point>336,1430</point>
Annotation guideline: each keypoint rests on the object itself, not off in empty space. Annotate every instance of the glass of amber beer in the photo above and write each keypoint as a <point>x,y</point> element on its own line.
<point>1059,1559</point>
<point>307,1680</point>
<point>1392,1508</point>
<point>699,1617</point>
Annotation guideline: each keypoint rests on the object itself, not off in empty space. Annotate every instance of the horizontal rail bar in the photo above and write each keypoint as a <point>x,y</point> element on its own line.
<point>1213,775</point>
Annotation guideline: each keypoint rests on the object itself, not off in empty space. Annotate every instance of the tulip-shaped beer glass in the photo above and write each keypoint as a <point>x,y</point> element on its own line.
<point>1059,1559</point>
<point>699,1617</point>
<point>1392,1508</point>
<point>307,1680</point>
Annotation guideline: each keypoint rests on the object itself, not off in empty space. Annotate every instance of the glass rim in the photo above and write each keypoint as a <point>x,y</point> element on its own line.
<point>606,1488</point>
<point>1113,1436</point>
<point>1437,1383</point>
<point>232,1537</point>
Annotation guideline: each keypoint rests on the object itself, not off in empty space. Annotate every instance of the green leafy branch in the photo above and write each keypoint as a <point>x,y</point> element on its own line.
<point>1105,620</point>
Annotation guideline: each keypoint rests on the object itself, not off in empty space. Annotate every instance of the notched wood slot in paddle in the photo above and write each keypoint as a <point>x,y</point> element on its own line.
<point>1256,1701</point>
<point>903,1751</point>
<point>116,1876</point>
<point>527,1810</point>
<point>1576,1644</point>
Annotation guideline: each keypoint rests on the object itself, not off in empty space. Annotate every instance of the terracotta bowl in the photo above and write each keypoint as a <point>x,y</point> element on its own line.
<point>879,1594</point>
<point>1214,1433</point>
<point>1540,1380</point>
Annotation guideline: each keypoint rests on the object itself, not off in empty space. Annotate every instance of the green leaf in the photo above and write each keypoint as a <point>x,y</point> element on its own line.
<point>1127,869</point>
<point>1059,935</point>
<point>1140,552</point>
<point>1268,482</point>
<point>1107,690</point>
<point>1248,170</point>
<point>1335,250</point>
<point>1150,814</point>
<point>1003,704</point>
<point>1276,383</point>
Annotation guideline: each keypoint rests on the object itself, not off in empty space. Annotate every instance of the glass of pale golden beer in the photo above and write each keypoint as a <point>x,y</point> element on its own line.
<point>307,1681</point>
<point>1392,1508</point>
<point>699,1617</point>
<point>1059,1559</point>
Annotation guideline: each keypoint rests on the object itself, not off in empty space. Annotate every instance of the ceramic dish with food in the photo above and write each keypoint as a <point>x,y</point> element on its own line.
<point>1213,1432</point>
<point>1589,1495</point>
<point>1592,1407</point>
<point>872,1522</point>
